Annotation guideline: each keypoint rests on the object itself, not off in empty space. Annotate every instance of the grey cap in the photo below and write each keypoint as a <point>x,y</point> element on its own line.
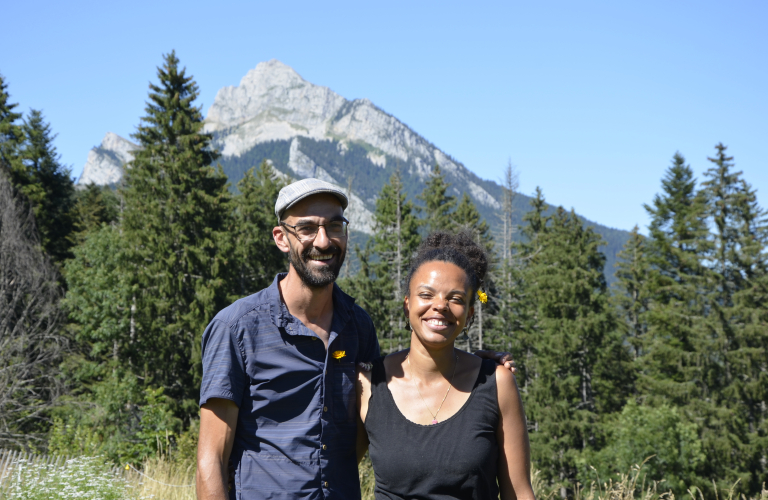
<point>293,193</point>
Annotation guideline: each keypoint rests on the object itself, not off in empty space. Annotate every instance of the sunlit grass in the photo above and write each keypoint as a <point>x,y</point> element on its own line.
<point>162,479</point>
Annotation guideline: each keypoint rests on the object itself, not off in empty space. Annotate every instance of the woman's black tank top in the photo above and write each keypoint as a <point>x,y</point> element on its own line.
<point>453,459</point>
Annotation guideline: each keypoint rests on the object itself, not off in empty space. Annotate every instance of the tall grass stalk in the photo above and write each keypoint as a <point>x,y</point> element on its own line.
<point>163,479</point>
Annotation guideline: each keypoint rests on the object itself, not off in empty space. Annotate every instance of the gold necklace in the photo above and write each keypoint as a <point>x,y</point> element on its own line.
<point>434,415</point>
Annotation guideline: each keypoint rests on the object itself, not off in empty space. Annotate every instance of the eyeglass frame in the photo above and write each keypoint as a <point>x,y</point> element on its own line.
<point>296,234</point>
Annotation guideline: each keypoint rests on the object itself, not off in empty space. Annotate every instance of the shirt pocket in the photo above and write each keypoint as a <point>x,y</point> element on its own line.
<point>344,375</point>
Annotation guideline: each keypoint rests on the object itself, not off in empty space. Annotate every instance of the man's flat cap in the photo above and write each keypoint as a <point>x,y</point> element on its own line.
<point>293,193</point>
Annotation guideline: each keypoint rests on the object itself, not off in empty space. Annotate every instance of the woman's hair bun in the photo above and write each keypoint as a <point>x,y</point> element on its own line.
<point>457,248</point>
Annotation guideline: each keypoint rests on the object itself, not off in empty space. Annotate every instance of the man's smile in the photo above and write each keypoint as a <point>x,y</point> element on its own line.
<point>321,257</point>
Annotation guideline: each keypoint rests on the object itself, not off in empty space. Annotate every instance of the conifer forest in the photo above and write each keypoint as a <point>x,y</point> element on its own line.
<point>105,293</point>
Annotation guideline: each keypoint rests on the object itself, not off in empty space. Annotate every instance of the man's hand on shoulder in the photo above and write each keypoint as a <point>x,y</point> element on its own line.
<point>502,358</point>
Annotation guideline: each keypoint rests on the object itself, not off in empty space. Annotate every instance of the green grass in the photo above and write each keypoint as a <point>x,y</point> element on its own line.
<point>87,478</point>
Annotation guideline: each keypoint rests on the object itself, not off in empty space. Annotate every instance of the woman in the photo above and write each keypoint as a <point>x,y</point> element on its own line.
<point>440,422</point>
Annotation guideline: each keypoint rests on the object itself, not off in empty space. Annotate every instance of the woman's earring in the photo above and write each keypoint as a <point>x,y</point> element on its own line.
<point>465,331</point>
<point>407,324</point>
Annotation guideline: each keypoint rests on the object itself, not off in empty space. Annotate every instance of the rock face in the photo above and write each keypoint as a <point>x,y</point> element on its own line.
<point>105,162</point>
<point>274,103</point>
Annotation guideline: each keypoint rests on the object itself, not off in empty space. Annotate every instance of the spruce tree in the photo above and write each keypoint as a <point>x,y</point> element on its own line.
<point>632,299</point>
<point>94,206</point>
<point>437,204</point>
<point>670,368</point>
<point>675,367</point>
<point>517,321</point>
<point>257,257</point>
<point>48,186</point>
<point>177,221</point>
<point>393,244</point>
<point>99,301</point>
<point>466,217</point>
<point>368,293</point>
<point>737,325</point>
<point>579,365</point>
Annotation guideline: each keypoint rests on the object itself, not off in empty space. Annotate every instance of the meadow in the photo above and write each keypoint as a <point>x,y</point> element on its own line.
<point>86,478</point>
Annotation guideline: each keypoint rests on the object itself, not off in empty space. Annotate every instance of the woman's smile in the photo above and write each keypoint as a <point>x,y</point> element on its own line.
<point>436,324</point>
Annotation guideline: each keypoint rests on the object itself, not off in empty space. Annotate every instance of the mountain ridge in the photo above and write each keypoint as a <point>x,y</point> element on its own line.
<point>309,130</point>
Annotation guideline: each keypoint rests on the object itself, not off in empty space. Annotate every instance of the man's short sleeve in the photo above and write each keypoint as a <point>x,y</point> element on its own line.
<point>223,366</point>
<point>369,343</point>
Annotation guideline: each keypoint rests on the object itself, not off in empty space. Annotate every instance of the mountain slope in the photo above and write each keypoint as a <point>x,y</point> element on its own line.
<point>307,130</point>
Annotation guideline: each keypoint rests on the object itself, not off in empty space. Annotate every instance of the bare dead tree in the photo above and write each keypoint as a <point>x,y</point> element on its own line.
<point>510,184</point>
<point>30,319</point>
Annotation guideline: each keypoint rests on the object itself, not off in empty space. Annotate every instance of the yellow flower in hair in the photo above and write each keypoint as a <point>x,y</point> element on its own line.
<point>338,354</point>
<point>483,296</point>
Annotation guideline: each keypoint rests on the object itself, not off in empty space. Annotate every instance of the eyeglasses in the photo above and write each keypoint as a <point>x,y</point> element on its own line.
<point>308,232</point>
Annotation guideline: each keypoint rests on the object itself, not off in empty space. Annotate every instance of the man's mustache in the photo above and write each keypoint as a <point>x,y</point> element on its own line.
<point>309,253</point>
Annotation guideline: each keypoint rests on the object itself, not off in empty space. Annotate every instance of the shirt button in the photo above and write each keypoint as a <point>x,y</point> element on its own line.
<point>325,484</point>
<point>325,447</point>
<point>325,408</point>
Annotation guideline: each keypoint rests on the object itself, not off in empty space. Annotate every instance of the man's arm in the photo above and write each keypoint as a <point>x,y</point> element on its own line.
<point>502,358</point>
<point>218,420</point>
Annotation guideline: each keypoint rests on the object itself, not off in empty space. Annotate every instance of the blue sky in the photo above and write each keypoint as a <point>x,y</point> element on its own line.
<point>589,100</point>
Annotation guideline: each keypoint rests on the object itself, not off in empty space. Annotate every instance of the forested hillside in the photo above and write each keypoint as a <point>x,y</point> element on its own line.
<point>351,162</point>
<point>104,296</point>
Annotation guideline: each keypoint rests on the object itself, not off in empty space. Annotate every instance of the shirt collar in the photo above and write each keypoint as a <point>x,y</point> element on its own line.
<point>342,306</point>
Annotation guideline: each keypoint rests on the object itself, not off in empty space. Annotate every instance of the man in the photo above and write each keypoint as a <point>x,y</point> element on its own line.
<point>277,397</point>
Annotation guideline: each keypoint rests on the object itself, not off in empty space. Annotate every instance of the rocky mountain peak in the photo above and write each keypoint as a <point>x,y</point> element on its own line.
<point>105,162</point>
<point>272,102</point>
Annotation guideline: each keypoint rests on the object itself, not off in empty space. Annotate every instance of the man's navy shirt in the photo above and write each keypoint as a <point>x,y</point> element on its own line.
<point>296,425</point>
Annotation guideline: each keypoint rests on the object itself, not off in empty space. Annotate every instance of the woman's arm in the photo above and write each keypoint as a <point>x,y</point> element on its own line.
<point>512,434</point>
<point>363,396</point>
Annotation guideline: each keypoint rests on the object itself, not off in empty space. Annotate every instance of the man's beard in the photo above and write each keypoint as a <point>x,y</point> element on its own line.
<point>316,277</point>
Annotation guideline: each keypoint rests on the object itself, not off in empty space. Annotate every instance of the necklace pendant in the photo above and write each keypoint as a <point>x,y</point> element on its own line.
<point>434,421</point>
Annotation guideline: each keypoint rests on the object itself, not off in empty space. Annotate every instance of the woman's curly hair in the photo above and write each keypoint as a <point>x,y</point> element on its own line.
<point>459,249</point>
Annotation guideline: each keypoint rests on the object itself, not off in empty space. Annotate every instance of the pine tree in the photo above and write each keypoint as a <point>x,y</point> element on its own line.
<point>99,298</point>
<point>578,366</point>
<point>517,322</point>
<point>11,136</point>
<point>48,186</point>
<point>466,217</point>
<point>670,370</point>
<point>94,206</point>
<point>257,257</point>
<point>437,205</point>
<point>675,364</point>
<point>632,300</point>
<point>368,293</point>
<point>393,243</point>
<point>736,325</point>
<point>177,221</point>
